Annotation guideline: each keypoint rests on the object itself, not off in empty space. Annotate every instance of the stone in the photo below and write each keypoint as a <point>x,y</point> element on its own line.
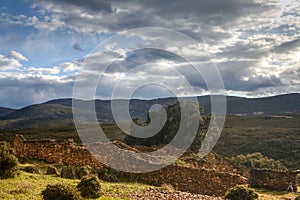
<point>83,171</point>
<point>52,171</point>
<point>32,169</point>
<point>68,172</point>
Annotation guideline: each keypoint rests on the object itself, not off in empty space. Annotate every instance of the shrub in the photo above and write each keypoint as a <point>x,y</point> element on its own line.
<point>90,187</point>
<point>241,192</point>
<point>60,192</point>
<point>9,164</point>
<point>259,161</point>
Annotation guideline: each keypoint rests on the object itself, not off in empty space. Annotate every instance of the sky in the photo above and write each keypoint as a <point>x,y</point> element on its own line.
<point>46,44</point>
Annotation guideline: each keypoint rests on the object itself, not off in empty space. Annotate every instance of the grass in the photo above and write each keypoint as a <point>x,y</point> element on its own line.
<point>28,186</point>
<point>276,138</point>
<point>273,195</point>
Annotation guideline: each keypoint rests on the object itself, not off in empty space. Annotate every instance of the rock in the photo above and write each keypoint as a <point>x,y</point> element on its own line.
<point>68,172</point>
<point>83,171</point>
<point>161,193</point>
<point>32,169</point>
<point>52,170</point>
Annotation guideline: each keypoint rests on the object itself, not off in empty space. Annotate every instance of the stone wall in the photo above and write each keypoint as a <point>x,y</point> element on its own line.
<point>274,180</point>
<point>212,161</point>
<point>67,153</point>
<point>195,180</point>
<point>198,181</point>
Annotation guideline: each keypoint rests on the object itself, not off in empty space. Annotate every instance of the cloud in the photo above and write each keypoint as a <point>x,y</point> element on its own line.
<point>255,44</point>
<point>47,23</point>
<point>98,16</point>
<point>93,5</point>
<point>11,61</point>
<point>42,23</point>
<point>288,46</point>
<point>23,88</point>
<point>17,56</point>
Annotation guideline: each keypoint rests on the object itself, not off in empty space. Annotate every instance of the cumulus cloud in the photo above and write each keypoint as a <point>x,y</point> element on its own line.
<point>11,61</point>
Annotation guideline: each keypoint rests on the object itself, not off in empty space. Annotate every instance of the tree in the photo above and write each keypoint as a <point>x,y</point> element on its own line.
<point>9,164</point>
<point>168,132</point>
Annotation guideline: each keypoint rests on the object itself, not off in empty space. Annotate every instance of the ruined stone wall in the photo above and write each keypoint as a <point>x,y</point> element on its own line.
<point>212,161</point>
<point>274,180</point>
<point>198,181</point>
<point>67,153</point>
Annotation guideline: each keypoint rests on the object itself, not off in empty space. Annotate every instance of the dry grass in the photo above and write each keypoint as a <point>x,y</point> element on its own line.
<point>272,195</point>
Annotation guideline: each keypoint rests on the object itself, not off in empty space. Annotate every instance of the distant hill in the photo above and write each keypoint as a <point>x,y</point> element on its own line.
<point>281,104</point>
<point>40,111</point>
<point>62,108</point>
<point>5,111</point>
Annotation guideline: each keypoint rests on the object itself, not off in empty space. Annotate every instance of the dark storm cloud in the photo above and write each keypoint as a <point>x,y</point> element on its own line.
<point>214,9</point>
<point>141,57</point>
<point>167,13</point>
<point>93,5</point>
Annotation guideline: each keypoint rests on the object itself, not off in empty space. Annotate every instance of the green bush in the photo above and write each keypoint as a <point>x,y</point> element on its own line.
<point>240,192</point>
<point>258,160</point>
<point>9,164</point>
<point>90,187</point>
<point>60,192</point>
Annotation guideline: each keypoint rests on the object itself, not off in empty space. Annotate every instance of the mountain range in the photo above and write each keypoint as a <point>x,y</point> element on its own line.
<point>62,108</point>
